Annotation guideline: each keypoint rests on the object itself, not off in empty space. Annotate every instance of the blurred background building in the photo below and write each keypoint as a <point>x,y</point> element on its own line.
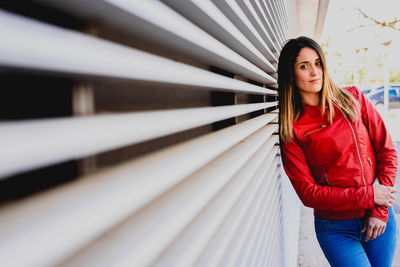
<point>144,133</point>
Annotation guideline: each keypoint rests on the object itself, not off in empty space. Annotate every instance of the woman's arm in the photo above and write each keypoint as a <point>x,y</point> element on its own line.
<point>318,196</point>
<point>385,151</point>
<point>329,197</point>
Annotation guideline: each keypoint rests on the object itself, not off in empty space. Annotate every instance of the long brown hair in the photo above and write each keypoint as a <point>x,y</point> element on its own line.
<point>290,105</point>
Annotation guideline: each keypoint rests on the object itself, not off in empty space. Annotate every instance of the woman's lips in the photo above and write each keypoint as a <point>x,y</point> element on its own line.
<point>315,80</point>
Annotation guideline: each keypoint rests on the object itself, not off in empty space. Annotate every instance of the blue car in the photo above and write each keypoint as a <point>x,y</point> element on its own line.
<point>366,91</point>
<point>376,97</point>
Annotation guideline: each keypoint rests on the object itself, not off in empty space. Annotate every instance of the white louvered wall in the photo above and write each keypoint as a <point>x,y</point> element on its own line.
<point>142,133</point>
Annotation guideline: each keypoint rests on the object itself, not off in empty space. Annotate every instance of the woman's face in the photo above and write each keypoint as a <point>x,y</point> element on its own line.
<point>308,73</point>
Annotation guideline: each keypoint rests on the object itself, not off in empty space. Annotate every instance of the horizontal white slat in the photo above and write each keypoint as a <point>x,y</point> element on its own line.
<point>267,246</point>
<point>270,227</point>
<point>162,25</point>
<point>250,244</point>
<point>275,252</point>
<point>146,234</point>
<point>234,252</point>
<point>255,258</point>
<point>290,221</point>
<point>207,223</point>
<point>234,255</point>
<point>39,226</point>
<point>268,203</point>
<point>253,17</point>
<point>36,143</point>
<point>270,238</point>
<point>209,17</point>
<point>279,250</point>
<point>278,12</point>
<point>59,50</point>
<point>284,14</point>
<point>258,253</point>
<point>268,16</point>
<point>280,19</point>
<point>274,17</point>
<point>218,245</point>
<point>265,21</point>
<point>233,11</point>
<point>264,224</point>
<point>247,243</point>
<point>264,235</point>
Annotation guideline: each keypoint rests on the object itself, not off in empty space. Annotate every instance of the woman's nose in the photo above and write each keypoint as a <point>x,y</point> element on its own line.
<point>313,70</point>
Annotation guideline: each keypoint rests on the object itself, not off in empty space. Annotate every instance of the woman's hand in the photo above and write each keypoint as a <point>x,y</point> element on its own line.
<point>374,228</point>
<point>384,195</point>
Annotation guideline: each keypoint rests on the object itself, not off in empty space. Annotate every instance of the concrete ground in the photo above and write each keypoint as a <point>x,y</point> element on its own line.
<point>310,254</point>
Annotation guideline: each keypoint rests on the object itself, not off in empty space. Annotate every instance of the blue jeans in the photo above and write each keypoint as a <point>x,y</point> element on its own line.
<point>344,245</point>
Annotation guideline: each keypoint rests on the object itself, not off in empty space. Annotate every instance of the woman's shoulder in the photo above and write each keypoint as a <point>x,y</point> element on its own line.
<point>355,92</point>
<point>352,89</point>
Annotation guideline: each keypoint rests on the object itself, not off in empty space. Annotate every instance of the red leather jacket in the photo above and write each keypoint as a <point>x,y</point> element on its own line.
<point>332,167</point>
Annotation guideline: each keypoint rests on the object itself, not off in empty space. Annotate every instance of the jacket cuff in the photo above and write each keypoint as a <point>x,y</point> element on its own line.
<point>380,212</point>
<point>370,197</point>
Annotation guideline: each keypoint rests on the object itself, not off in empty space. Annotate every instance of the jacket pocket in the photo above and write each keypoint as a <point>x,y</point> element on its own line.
<point>313,131</point>
<point>326,178</point>
<point>371,168</point>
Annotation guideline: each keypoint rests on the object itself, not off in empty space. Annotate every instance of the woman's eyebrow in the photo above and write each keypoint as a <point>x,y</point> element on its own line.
<point>306,61</point>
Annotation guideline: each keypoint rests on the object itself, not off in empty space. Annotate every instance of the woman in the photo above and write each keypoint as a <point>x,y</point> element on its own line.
<point>334,145</point>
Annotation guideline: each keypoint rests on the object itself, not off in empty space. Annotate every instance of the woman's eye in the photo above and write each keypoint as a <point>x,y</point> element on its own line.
<point>318,63</point>
<point>303,67</point>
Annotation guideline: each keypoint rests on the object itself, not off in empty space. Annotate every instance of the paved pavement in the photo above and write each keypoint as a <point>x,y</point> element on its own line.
<point>310,254</point>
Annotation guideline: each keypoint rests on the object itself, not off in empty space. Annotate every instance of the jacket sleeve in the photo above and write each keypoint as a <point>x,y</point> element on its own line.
<point>318,196</point>
<point>385,151</point>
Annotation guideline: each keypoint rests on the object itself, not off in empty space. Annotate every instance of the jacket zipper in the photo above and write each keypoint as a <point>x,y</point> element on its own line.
<point>370,165</point>
<point>326,178</point>
<point>358,152</point>
<point>322,127</point>
<point>369,160</point>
